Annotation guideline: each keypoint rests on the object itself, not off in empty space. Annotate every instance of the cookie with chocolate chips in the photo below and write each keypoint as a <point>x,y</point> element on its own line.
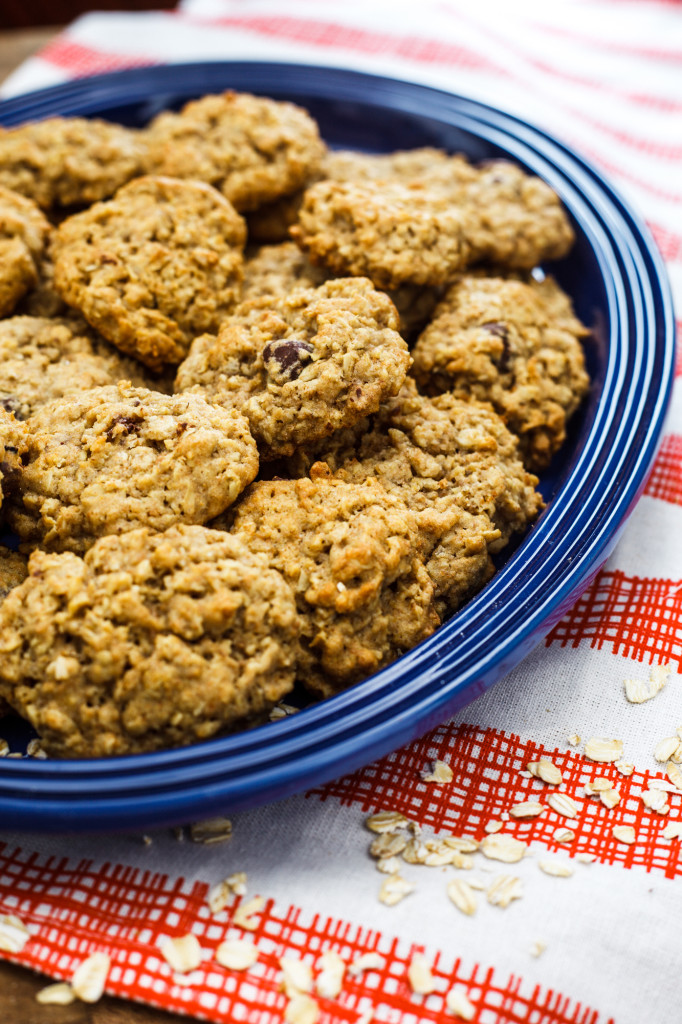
<point>303,364</point>
<point>515,344</point>
<point>115,458</point>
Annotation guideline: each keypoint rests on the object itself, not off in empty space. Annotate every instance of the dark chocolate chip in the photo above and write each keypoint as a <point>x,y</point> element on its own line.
<point>501,331</point>
<point>11,404</point>
<point>286,358</point>
<point>121,426</point>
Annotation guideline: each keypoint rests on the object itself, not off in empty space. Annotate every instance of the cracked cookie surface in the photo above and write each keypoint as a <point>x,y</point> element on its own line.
<point>422,232</point>
<point>152,640</point>
<point>118,457</point>
<point>512,343</point>
<point>351,552</point>
<point>301,365</point>
<point>153,267</point>
<point>69,161</point>
<point>252,149</point>
<point>435,452</point>
<point>43,359</point>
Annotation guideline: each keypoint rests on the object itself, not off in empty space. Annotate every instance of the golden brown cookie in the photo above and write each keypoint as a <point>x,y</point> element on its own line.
<point>301,365</point>
<point>512,343</point>
<point>422,232</point>
<point>352,554</point>
<point>436,452</point>
<point>152,640</point>
<point>279,269</point>
<point>23,236</point>
<point>153,267</point>
<point>252,149</point>
<point>68,161</point>
<point>115,458</point>
<point>42,359</point>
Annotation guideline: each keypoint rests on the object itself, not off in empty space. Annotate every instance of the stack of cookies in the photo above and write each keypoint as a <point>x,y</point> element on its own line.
<point>268,411</point>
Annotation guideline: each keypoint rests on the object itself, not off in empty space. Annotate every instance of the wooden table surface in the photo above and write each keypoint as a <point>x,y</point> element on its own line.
<point>18,986</point>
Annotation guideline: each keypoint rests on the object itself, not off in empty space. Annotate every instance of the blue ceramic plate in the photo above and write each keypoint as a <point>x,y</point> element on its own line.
<point>619,287</point>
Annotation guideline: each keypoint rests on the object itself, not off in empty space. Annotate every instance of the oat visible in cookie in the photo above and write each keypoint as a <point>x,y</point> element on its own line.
<point>270,223</point>
<point>457,468</point>
<point>69,161</point>
<point>153,267</point>
<point>352,554</point>
<point>514,344</point>
<point>251,148</point>
<point>152,640</point>
<point>23,236</point>
<point>424,232</point>
<point>115,458</point>
<point>278,269</point>
<point>301,365</point>
<point>42,359</point>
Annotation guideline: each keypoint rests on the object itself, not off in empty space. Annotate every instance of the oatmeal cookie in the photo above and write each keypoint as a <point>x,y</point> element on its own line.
<point>152,640</point>
<point>252,149</point>
<point>437,452</point>
<point>69,161</point>
<point>118,457</point>
<point>514,344</point>
<point>43,358</point>
<point>23,236</point>
<point>424,232</point>
<point>270,223</point>
<point>153,267</point>
<point>301,365</point>
<point>420,165</point>
<point>352,555</point>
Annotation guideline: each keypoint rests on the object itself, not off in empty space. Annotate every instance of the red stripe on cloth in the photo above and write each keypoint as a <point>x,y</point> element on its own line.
<point>649,147</point>
<point>665,481</point>
<point>606,43</point>
<point>486,783</point>
<point>81,61</point>
<point>73,911</point>
<point>669,242</point>
<point>636,617</point>
<point>332,34</point>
